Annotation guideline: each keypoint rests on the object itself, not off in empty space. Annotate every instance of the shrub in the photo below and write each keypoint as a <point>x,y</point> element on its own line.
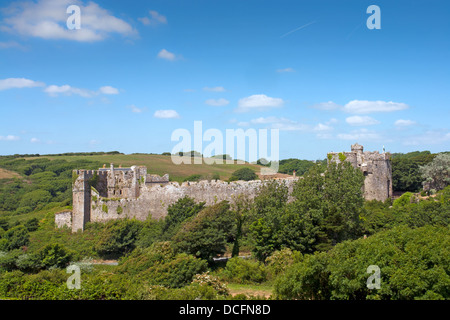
<point>14,238</point>
<point>245,174</point>
<point>280,260</point>
<point>160,265</point>
<point>193,178</point>
<point>245,271</point>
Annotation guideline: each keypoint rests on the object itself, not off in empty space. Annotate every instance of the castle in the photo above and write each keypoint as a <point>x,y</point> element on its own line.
<point>376,167</point>
<point>114,193</point>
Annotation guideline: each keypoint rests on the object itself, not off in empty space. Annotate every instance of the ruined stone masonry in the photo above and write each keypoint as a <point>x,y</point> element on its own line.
<point>115,193</point>
<point>376,167</point>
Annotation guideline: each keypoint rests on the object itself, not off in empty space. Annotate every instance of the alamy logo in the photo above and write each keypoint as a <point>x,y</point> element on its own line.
<point>374,281</point>
<point>74,20</point>
<point>374,21</point>
<point>256,148</point>
<point>74,281</point>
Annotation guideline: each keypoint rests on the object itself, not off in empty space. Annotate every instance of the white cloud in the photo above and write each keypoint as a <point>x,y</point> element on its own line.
<point>155,19</point>
<point>285,70</point>
<point>364,106</point>
<point>258,102</point>
<point>322,127</point>
<point>135,109</point>
<point>47,19</point>
<point>214,89</point>
<point>361,121</point>
<point>10,44</point>
<point>427,138</point>
<point>217,102</point>
<point>54,91</point>
<point>166,55</point>
<point>404,123</point>
<point>35,140</point>
<point>9,138</point>
<point>330,105</point>
<point>18,83</point>
<point>109,90</point>
<point>332,121</point>
<point>282,124</point>
<point>362,134</point>
<point>67,90</point>
<point>166,114</point>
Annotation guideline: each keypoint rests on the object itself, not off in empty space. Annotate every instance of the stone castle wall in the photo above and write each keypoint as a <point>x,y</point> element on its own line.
<point>154,200</point>
<point>115,193</point>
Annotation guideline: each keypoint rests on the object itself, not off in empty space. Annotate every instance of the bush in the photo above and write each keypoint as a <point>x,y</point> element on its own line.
<point>414,264</point>
<point>280,260</point>
<point>193,178</point>
<point>207,234</point>
<point>245,174</point>
<point>118,237</point>
<point>34,198</point>
<point>14,238</point>
<point>160,265</point>
<point>245,271</point>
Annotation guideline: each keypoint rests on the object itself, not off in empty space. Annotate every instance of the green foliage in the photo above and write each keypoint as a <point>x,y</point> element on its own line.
<point>403,200</point>
<point>245,174</point>
<point>46,181</point>
<point>14,238</point>
<point>335,198</point>
<point>414,264</point>
<point>179,212</point>
<point>342,157</point>
<point>245,271</point>
<point>280,260</point>
<point>206,235</point>
<point>193,178</point>
<point>289,165</point>
<point>118,237</point>
<point>35,198</point>
<point>54,256</point>
<point>160,265</point>
<point>436,174</point>
<point>206,279</point>
<point>406,175</point>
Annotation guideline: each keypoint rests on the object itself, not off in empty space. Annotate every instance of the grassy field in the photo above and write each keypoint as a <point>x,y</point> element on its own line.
<point>255,290</point>
<point>160,165</point>
<point>6,174</point>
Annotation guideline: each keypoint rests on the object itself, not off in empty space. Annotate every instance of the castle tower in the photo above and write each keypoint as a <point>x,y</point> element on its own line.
<point>81,193</point>
<point>376,168</point>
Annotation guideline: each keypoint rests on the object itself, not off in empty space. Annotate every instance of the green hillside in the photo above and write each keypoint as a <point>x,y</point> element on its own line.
<point>158,164</point>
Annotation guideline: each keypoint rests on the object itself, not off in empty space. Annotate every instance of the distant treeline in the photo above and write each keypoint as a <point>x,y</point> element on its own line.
<point>14,156</point>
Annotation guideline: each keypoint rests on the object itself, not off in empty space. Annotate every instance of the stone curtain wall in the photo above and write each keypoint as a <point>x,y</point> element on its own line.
<point>154,200</point>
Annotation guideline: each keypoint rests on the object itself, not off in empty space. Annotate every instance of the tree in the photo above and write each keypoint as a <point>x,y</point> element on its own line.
<point>414,264</point>
<point>118,237</point>
<point>207,234</point>
<point>14,238</point>
<point>54,255</point>
<point>436,174</point>
<point>245,174</point>
<point>265,216</point>
<point>161,265</point>
<point>178,212</point>
<point>337,197</point>
<point>34,198</point>
<point>300,166</point>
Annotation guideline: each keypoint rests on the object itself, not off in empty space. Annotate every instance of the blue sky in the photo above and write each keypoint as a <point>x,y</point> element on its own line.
<point>138,70</point>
